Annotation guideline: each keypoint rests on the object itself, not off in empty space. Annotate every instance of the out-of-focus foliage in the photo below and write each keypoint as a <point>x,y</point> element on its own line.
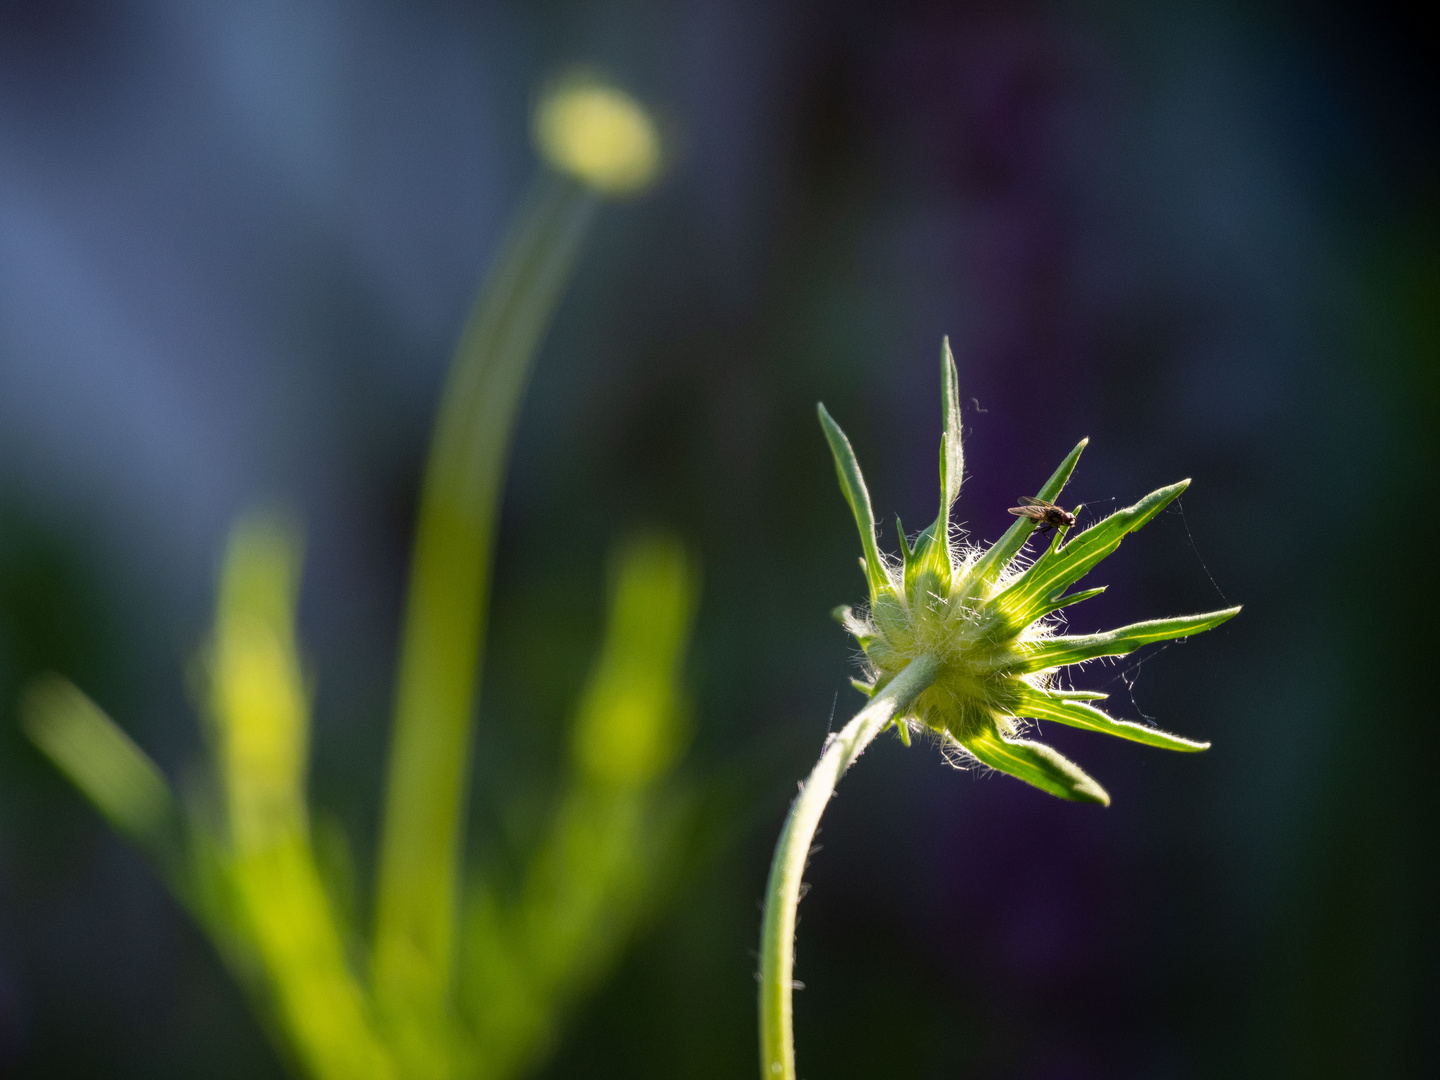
<point>425,1002</point>
<point>125,785</point>
<point>534,945</point>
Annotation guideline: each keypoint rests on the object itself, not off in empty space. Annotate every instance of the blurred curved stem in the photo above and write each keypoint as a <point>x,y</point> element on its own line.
<point>782,891</point>
<point>445,616</point>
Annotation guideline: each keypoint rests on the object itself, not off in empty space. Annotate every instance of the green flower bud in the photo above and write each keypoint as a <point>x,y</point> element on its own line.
<point>598,134</point>
<point>987,619</point>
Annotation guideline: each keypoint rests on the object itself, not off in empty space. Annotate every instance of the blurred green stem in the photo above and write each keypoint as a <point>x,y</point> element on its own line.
<point>535,946</point>
<point>449,593</point>
<point>261,712</point>
<point>792,850</point>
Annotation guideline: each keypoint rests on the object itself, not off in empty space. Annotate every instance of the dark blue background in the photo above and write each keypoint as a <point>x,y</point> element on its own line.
<point>236,244</point>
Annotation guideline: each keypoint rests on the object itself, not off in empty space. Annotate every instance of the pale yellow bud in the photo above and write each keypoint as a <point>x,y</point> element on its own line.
<point>600,135</point>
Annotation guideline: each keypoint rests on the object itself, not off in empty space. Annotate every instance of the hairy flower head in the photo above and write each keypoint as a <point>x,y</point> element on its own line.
<point>987,619</point>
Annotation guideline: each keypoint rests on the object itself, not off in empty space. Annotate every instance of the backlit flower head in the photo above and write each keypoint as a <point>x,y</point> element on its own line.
<point>987,618</point>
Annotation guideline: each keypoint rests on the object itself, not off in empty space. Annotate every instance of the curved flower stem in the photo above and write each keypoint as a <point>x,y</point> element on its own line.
<point>782,892</point>
<point>447,606</point>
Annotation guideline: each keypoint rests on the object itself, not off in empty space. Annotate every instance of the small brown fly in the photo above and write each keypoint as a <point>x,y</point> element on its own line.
<point>1047,514</point>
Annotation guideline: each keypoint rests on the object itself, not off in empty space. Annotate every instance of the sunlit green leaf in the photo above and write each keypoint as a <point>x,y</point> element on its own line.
<point>852,484</point>
<point>1078,695</point>
<point>927,566</point>
<point>1058,651</point>
<point>1036,764</point>
<point>1029,593</point>
<point>952,460</point>
<point>868,689</point>
<point>1066,709</point>
<point>991,564</point>
<point>1066,601</point>
<point>906,551</point>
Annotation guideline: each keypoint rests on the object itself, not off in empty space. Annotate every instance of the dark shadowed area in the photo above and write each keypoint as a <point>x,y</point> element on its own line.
<point>237,244</point>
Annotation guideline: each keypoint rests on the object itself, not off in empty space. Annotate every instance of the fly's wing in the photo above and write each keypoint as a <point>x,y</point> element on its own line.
<point>1034,513</point>
<point>1026,500</point>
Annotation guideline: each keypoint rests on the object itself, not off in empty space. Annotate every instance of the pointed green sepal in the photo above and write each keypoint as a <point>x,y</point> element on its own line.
<point>852,483</point>
<point>1023,600</point>
<point>853,625</point>
<point>994,561</point>
<point>1065,709</point>
<point>902,728</point>
<point>1056,652</point>
<point>931,553</point>
<point>1036,764</point>
<point>905,549</point>
<point>952,460</point>
<point>1046,557</point>
<point>1066,601</point>
<point>868,689</point>
<point>1078,695</point>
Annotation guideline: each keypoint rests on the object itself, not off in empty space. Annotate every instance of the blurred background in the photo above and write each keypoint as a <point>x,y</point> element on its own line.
<point>237,243</point>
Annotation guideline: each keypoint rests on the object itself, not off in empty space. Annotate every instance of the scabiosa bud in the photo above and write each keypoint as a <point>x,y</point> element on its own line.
<point>985,618</point>
<point>595,132</point>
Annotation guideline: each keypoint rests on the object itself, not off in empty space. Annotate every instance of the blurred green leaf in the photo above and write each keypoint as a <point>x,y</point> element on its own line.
<point>277,895</point>
<point>260,714</point>
<point>105,764</point>
<point>532,950</point>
